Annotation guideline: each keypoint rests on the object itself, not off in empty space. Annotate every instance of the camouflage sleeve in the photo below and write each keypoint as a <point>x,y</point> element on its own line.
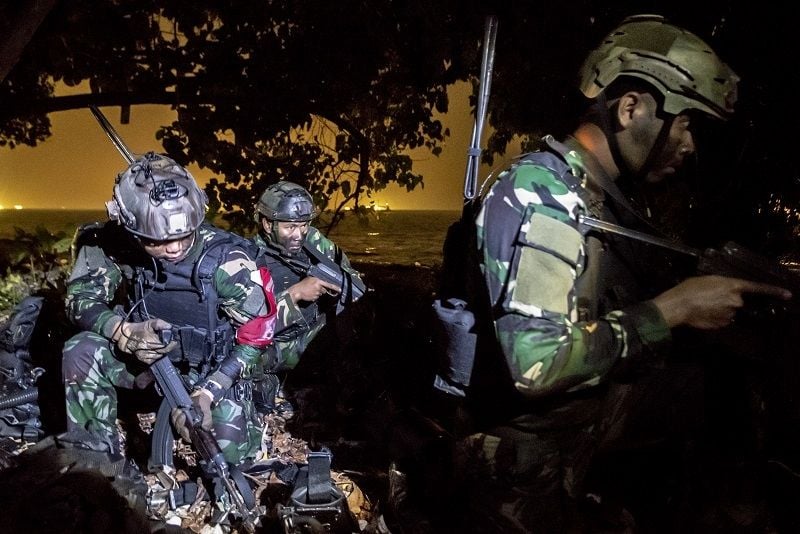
<point>292,348</point>
<point>289,315</point>
<point>90,290</point>
<point>239,287</point>
<point>532,257</point>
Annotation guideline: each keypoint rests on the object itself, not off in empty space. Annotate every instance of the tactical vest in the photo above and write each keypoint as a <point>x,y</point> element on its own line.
<point>182,294</point>
<point>616,272</point>
<point>284,277</point>
<point>609,281</point>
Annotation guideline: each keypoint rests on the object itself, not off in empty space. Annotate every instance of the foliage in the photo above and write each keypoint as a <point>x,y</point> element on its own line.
<point>32,262</point>
<point>332,95</point>
<point>329,95</point>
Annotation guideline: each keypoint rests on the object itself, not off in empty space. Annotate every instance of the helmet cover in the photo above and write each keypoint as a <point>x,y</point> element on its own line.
<point>158,199</point>
<point>286,201</point>
<point>680,65</point>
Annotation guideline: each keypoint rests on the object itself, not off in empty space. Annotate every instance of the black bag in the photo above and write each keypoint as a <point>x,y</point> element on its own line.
<point>19,411</point>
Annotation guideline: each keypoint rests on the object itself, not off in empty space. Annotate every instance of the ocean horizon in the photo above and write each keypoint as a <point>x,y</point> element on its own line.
<point>403,237</point>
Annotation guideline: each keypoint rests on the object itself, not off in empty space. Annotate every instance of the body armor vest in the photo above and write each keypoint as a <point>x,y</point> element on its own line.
<point>612,278</point>
<point>284,277</point>
<point>183,294</point>
<point>609,280</point>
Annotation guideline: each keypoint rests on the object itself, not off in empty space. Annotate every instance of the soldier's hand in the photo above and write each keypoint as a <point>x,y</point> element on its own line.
<point>143,340</point>
<point>202,399</point>
<point>710,302</point>
<point>309,289</point>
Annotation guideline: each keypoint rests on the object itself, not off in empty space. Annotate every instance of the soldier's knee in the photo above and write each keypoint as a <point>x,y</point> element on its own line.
<point>81,352</point>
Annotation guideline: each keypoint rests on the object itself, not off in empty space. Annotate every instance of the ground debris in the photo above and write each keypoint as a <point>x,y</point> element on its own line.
<point>271,476</point>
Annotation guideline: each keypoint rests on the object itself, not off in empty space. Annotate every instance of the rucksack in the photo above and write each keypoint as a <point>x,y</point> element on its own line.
<point>19,411</point>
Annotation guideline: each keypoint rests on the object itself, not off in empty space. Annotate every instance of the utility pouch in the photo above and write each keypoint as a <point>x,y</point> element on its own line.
<point>193,346</point>
<point>455,342</point>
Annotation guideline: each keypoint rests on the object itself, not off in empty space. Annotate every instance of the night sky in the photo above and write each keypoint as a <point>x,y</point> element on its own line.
<point>75,168</point>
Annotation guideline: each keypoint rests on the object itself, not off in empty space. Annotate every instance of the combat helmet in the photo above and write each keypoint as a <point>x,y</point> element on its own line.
<point>157,199</point>
<point>286,201</point>
<point>676,62</point>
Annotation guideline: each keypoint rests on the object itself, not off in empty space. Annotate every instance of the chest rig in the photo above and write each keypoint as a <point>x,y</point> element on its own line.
<point>184,295</point>
<point>284,277</point>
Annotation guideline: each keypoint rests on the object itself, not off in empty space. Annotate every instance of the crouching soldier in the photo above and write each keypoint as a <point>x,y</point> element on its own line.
<point>157,266</point>
<point>313,277</point>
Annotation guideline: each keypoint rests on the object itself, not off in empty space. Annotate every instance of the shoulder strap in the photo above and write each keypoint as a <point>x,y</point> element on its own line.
<point>214,253</point>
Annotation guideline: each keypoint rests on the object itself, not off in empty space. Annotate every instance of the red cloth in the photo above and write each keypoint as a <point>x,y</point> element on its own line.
<point>258,331</point>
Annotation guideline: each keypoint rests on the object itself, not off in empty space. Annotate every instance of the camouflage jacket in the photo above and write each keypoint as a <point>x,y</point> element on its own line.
<point>96,278</point>
<point>545,275</point>
<point>298,324</point>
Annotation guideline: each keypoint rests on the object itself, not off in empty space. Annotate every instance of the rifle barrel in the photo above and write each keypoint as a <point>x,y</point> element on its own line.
<point>639,236</point>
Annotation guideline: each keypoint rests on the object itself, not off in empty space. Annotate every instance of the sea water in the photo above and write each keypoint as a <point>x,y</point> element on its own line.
<point>402,237</point>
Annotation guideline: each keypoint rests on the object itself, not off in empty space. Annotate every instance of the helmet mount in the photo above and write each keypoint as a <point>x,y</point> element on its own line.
<point>157,199</point>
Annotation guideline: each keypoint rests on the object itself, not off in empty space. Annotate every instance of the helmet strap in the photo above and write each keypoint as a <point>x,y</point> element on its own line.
<point>602,115</point>
<point>608,125</point>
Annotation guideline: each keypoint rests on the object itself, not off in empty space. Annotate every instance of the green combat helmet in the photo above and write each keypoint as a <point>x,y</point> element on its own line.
<point>157,199</point>
<point>676,62</point>
<point>287,202</point>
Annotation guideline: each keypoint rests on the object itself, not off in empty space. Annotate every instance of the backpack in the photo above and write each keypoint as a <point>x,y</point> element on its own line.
<point>19,411</point>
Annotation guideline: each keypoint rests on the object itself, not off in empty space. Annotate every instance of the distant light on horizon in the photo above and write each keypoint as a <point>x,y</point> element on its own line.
<point>17,206</point>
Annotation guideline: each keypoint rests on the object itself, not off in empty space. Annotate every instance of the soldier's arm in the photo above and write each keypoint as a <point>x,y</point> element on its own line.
<point>532,277</point>
<point>242,298</point>
<point>90,290</point>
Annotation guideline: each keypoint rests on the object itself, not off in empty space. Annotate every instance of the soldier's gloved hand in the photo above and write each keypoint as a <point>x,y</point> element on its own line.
<point>143,340</point>
<point>202,400</point>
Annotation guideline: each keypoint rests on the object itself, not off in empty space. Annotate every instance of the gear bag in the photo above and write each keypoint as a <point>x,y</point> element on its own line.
<point>461,296</point>
<point>19,411</point>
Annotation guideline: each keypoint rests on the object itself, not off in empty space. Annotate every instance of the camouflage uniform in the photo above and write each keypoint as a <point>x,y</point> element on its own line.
<point>567,308</point>
<point>93,367</point>
<point>298,324</point>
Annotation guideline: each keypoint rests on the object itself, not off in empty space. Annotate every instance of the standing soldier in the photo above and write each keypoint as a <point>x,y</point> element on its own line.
<point>569,304</point>
<point>156,266</point>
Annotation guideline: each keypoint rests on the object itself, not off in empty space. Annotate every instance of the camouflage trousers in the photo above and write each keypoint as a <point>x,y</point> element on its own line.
<point>527,474</point>
<point>92,372</point>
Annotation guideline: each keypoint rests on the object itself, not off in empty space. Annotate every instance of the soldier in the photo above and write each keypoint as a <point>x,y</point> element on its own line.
<point>287,243</point>
<point>569,305</point>
<point>173,272</point>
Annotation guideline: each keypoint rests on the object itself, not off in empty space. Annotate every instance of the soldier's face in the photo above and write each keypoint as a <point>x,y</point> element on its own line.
<point>678,146</point>
<point>289,235</point>
<point>642,125</point>
<point>171,250</point>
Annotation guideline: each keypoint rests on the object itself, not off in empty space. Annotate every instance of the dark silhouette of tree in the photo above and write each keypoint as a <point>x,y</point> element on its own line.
<point>329,95</point>
<point>333,94</point>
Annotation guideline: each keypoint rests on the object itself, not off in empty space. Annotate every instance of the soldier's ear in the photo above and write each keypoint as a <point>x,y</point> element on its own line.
<point>266,224</point>
<point>626,108</point>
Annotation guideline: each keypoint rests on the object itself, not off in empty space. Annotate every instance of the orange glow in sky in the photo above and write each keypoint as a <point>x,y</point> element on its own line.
<point>76,166</point>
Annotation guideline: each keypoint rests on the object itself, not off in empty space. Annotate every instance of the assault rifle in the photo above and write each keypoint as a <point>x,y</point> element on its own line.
<point>331,274</point>
<point>174,391</point>
<point>732,259</point>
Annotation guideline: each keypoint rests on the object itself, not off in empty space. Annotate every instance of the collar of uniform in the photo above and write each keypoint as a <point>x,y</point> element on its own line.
<point>586,166</point>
